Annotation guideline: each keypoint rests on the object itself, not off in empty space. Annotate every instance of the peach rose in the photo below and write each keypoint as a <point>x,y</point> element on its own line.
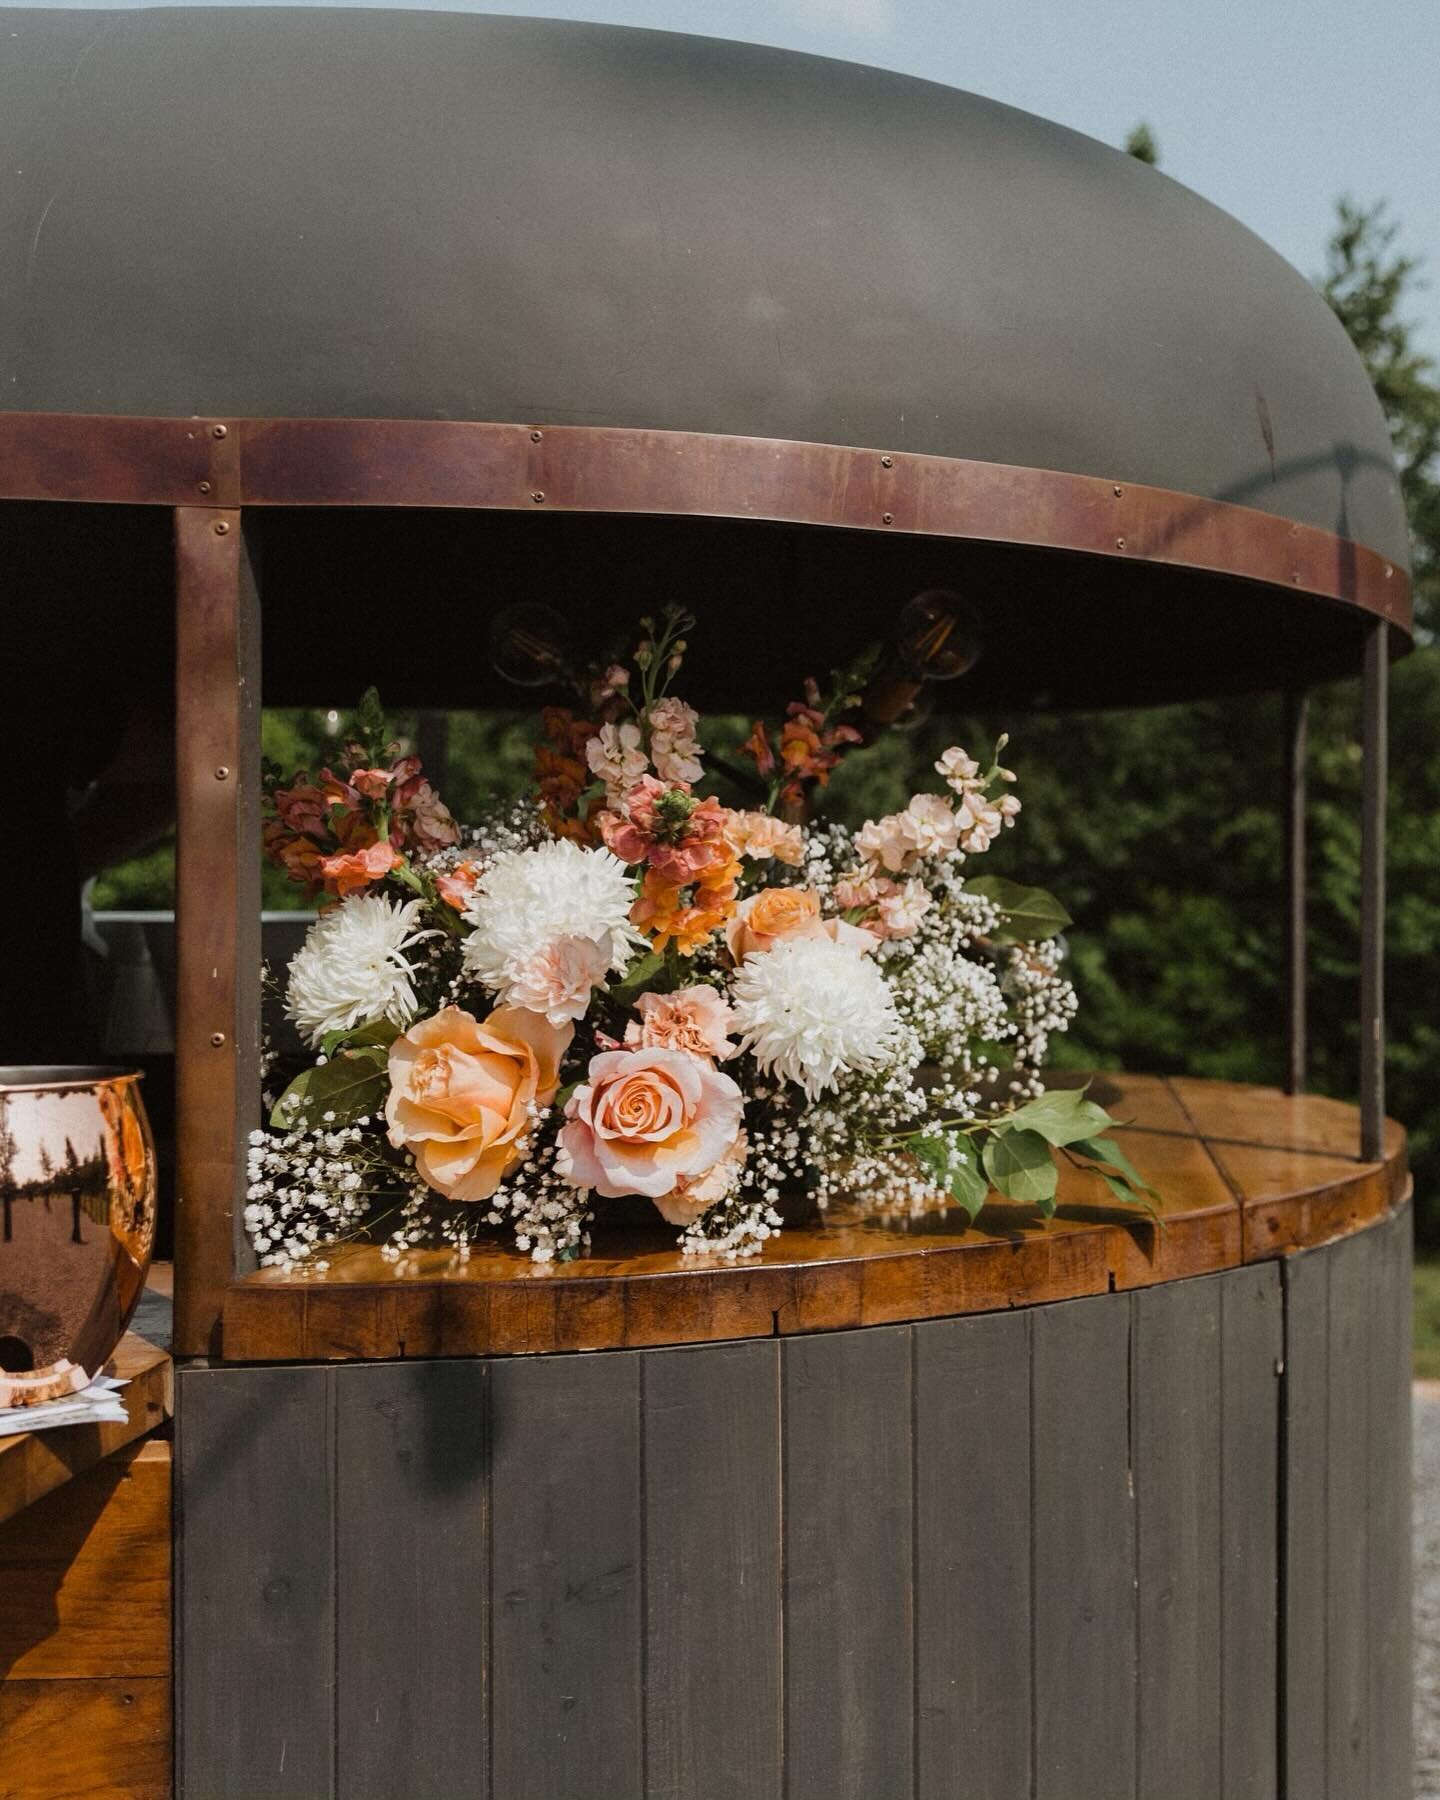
<point>461,1090</point>
<point>776,914</point>
<point>645,1121</point>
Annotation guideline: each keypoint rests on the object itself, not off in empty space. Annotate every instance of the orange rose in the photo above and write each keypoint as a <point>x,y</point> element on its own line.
<point>775,914</point>
<point>461,1090</point>
<point>770,917</point>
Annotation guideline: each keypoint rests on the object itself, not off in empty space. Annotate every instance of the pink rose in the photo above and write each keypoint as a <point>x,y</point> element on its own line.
<point>646,1120</point>
<point>691,1197</point>
<point>695,1019</point>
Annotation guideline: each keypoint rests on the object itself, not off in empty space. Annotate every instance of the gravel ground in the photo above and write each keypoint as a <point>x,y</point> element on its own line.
<point>1427,1590</point>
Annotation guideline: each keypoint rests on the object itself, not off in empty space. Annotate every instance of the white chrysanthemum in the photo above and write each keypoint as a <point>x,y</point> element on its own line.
<point>352,970</point>
<point>548,925</point>
<point>811,1010</point>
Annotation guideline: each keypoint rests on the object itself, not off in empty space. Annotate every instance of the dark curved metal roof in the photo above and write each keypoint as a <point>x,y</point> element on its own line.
<point>287,211</point>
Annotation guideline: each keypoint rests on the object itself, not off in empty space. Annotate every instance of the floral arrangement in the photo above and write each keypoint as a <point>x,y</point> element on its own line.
<point>623,987</point>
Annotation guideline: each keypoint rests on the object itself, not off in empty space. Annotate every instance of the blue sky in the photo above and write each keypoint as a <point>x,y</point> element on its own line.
<point>1270,108</point>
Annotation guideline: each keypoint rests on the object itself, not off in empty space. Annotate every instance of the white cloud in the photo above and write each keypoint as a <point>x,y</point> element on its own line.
<point>860,18</point>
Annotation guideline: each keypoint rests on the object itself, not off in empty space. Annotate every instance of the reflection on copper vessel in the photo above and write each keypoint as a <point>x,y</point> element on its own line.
<point>77,1193</point>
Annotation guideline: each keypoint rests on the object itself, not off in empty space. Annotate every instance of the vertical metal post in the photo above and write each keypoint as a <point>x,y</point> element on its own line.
<point>217,906</point>
<point>1372,891</point>
<point>1297,743</point>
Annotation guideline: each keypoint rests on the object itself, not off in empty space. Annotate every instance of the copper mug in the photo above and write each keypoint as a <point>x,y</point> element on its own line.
<point>77,1214</point>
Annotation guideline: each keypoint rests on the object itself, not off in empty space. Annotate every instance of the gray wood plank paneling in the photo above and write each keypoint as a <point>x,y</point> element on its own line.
<point>1176,1452</point>
<point>411,1553</point>
<point>972,1557</point>
<point>566,1539</point>
<point>1388,1572</point>
<point>849,1625</point>
<point>1347,1735</point>
<point>713,1523</point>
<point>1306,1498</point>
<point>256,1645</point>
<point>1084,1552</point>
<point>1252,1349</point>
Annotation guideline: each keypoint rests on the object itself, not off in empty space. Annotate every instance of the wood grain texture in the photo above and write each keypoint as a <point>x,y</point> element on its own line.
<point>972,1558</point>
<point>256,1646</point>
<point>566,1562</point>
<point>1252,1348</point>
<point>1176,1450</point>
<point>1226,1200</point>
<point>1304,1622</point>
<point>1347,1621</point>
<point>849,1604</point>
<point>85,1574</point>
<point>1388,1534</point>
<point>1083,1525</point>
<point>86,1740</point>
<point>714,1712</point>
<point>411,1574</point>
<point>33,1464</point>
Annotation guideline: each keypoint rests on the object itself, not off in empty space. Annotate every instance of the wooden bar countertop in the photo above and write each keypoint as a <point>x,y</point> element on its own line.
<point>1245,1174</point>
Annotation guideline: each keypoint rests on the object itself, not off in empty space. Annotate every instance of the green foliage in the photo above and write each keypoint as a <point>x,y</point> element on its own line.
<point>350,1085</point>
<point>953,1164</point>
<point>1021,1167</point>
<point>1368,283</point>
<point>1143,145</point>
<point>1031,915</point>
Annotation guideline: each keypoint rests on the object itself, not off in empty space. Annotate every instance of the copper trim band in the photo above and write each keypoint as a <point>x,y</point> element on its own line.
<point>580,468</point>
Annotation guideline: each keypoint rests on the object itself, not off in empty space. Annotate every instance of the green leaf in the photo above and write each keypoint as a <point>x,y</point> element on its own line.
<point>563,1094</point>
<point>1122,1189</point>
<point>951,1163</point>
<point>349,1085</point>
<point>380,1031</point>
<point>648,972</point>
<point>1106,1150</point>
<point>1021,1167</point>
<point>1030,914</point>
<point>1062,1116</point>
<point>1000,1056</point>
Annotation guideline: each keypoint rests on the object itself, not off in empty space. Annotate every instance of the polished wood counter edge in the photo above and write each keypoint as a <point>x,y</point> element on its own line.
<point>34,1463</point>
<point>1245,1174</point>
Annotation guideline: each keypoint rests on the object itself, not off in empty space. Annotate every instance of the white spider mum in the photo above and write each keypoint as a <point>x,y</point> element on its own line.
<point>549,925</point>
<point>352,969</point>
<point>812,1010</point>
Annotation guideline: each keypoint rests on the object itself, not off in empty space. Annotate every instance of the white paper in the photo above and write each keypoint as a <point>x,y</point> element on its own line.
<point>100,1403</point>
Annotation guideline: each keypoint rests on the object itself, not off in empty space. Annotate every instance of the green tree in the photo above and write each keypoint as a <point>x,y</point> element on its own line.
<point>1143,145</point>
<point>1370,285</point>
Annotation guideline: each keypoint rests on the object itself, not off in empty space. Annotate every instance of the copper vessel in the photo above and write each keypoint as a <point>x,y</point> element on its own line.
<point>77,1213</point>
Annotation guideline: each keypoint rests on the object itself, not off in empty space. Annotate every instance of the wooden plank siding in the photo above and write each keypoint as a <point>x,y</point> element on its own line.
<point>1145,1546</point>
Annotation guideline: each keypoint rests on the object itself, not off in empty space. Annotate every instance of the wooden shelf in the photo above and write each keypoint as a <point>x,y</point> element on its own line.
<point>34,1463</point>
<point>1246,1173</point>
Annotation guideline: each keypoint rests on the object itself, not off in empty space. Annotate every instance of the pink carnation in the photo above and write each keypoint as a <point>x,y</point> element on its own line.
<point>696,1019</point>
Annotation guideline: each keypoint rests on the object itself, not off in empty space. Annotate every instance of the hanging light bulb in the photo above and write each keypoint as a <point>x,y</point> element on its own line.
<point>530,644</point>
<point>937,637</point>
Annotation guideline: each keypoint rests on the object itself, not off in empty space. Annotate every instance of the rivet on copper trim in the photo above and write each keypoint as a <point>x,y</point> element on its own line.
<point>1118,492</point>
<point>535,436</point>
<point>887,518</point>
<point>219,431</point>
<point>217,1039</point>
<point>221,527</point>
<point>1119,543</point>
<point>538,496</point>
<point>204,487</point>
<point>222,773</point>
<point>1388,571</point>
<point>887,462</point>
